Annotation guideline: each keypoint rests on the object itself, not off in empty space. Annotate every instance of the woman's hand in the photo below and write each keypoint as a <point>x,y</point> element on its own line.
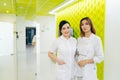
<point>60,62</point>
<point>82,63</point>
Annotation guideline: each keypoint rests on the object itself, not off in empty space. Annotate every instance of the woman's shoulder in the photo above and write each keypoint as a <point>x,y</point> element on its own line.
<point>58,39</point>
<point>96,37</point>
<point>79,38</point>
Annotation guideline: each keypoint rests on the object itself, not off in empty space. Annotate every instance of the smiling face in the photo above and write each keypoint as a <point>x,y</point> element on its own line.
<point>65,30</point>
<point>85,26</point>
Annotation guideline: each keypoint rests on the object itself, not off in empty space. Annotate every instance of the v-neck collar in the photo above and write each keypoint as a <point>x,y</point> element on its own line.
<point>65,38</point>
<point>88,37</point>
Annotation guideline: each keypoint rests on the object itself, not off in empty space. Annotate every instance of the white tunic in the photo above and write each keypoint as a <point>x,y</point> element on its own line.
<point>65,49</point>
<point>89,48</point>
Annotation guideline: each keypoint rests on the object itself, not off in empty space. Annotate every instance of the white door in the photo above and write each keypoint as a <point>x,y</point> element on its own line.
<point>26,56</point>
<point>7,52</point>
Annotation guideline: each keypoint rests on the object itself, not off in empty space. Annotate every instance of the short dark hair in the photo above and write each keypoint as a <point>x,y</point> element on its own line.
<point>61,25</point>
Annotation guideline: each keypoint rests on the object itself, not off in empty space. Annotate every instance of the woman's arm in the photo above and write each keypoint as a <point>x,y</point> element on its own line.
<point>99,55</point>
<point>82,63</point>
<point>55,59</point>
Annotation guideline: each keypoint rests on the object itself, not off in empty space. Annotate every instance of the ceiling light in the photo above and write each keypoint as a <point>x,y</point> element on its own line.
<point>58,8</point>
<point>4,4</point>
<point>7,11</point>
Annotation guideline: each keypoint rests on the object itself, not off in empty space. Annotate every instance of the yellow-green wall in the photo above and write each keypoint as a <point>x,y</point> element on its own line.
<point>95,9</point>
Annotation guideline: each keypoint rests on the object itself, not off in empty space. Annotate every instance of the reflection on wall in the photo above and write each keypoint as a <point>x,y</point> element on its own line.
<point>95,9</point>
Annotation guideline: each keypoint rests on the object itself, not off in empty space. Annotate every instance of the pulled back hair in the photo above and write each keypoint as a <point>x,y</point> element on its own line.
<point>61,25</point>
<point>82,34</point>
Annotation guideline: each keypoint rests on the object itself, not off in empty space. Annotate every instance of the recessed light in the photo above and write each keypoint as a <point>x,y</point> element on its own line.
<point>7,11</point>
<point>4,4</point>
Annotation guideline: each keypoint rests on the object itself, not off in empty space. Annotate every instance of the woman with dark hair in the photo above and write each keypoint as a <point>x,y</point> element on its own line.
<point>89,51</point>
<point>65,46</point>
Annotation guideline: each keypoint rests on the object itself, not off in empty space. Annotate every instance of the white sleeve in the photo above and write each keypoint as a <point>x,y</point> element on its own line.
<point>99,56</point>
<point>53,47</point>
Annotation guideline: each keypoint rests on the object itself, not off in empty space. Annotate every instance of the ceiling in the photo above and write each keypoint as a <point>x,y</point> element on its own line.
<point>29,8</point>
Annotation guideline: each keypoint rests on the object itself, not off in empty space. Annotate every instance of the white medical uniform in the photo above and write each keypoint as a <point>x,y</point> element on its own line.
<point>65,49</point>
<point>89,48</point>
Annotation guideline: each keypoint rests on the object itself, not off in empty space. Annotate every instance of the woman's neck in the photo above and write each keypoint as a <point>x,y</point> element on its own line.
<point>66,37</point>
<point>87,34</point>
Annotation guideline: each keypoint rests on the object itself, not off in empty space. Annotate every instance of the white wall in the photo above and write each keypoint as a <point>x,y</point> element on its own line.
<point>20,28</point>
<point>112,40</point>
<point>7,52</point>
<point>48,31</point>
<point>8,60</point>
<point>45,67</point>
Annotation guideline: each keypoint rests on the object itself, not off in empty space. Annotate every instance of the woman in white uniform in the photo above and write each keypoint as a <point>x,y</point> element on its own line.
<point>89,50</point>
<point>65,47</point>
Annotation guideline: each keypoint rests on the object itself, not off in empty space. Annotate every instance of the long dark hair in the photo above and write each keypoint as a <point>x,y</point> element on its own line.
<point>61,25</point>
<point>82,34</point>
